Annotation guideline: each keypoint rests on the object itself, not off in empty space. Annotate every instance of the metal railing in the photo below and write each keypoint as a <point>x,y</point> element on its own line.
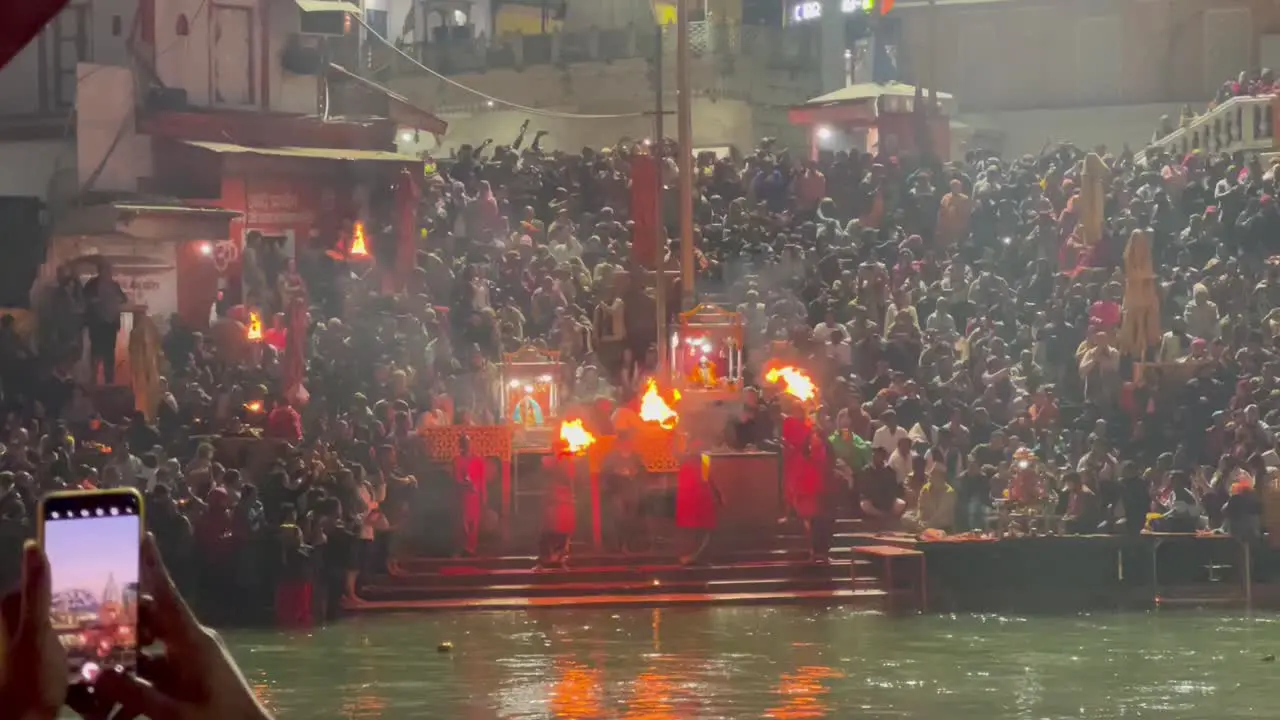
<point>1242,123</point>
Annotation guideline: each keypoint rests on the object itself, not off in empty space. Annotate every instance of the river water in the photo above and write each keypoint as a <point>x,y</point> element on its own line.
<point>768,662</point>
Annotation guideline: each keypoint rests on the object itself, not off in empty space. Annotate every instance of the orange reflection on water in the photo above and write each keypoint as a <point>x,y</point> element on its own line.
<point>577,693</point>
<point>652,698</point>
<point>363,706</point>
<point>802,694</point>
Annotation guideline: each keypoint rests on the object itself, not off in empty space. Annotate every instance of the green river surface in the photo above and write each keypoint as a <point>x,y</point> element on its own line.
<point>768,662</point>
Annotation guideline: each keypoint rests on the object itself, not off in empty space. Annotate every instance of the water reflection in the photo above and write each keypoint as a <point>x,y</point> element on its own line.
<point>577,693</point>
<point>651,698</point>
<point>781,663</point>
<point>803,693</point>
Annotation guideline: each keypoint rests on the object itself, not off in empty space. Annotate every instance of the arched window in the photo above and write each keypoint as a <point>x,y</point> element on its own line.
<point>183,28</point>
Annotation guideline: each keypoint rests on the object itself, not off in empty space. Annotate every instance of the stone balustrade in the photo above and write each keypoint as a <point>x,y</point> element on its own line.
<point>1240,124</point>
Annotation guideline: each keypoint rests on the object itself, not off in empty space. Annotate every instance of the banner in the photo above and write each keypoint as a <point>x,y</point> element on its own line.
<point>644,210</point>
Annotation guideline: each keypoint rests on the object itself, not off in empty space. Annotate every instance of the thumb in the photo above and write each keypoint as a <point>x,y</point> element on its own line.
<point>35,593</point>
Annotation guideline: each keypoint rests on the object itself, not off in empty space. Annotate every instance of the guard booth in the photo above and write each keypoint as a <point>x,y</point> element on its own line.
<point>874,118</point>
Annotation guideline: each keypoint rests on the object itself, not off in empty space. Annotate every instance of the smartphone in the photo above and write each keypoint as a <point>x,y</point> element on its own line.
<point>93,540</point>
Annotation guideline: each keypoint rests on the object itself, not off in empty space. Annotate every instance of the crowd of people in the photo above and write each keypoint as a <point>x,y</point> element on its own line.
<point>960,321</point>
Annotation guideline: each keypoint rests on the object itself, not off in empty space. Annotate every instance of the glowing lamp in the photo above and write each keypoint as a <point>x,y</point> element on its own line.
<point>254,333</point>
<point>358,247</point>
<point>654,409</point>
<point>794,382</point>
<point>575,436</point>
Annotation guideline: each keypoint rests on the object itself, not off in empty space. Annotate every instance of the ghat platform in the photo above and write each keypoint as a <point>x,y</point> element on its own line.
<point>1074,573</point>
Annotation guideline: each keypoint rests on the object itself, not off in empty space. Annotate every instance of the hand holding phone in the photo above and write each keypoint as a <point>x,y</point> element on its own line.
<point>92,540</point>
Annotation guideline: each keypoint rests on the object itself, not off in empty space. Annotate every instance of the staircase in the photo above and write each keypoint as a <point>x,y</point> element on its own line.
<point>1241,124</point>
<point>777,570</point>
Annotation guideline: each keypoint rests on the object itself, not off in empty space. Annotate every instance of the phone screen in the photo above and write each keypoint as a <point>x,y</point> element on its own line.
<point>92,540</point>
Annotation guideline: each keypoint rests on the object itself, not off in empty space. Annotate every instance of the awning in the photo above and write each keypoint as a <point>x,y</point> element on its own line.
<point>313,153</point>
<point>403,112</point>
<point>147,221</point>
<point>328,6</point>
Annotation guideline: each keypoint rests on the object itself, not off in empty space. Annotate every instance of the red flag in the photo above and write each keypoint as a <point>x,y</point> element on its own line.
<point>22,21</point>
<point>644,209</point>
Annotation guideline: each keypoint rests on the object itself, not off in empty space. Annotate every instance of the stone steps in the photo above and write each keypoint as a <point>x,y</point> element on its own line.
<point>871,598</point>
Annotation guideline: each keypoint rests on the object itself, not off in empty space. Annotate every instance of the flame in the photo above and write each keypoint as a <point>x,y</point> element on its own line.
<point>656,410</point>
<point>254,407</point>
<point>255,326</point>
<point>358,248</point>
<point>795,382</point>
<point>576,436</point>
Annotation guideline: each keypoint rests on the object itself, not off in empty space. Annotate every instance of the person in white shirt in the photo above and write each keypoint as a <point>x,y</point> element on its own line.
<point>126,464</point>
<point>889,433</point>
<point>901,460</point>
<point>823,330</point>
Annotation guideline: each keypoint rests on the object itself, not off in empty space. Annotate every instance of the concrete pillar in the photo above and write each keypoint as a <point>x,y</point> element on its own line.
<point>831,46</point>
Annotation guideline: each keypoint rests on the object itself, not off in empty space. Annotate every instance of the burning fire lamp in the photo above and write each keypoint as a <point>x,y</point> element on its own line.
<point>359,250</point>
<point>254,407</point>
<point>654,409</point>
<point>254,332</point>
<point>794,383</point>
<point>576,437</point>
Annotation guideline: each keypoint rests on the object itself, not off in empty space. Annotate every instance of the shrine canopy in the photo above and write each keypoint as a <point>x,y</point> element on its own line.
<point>530,389</point>
<point>706,349</point>
<point>865,115</point>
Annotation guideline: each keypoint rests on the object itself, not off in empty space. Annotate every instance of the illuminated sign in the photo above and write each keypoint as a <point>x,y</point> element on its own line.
<point>812,9</point>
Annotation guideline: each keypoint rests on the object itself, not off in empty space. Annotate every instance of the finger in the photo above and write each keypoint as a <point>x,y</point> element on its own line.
<point>173,620</point>
<point>136,697</point>
<point>35,599</point>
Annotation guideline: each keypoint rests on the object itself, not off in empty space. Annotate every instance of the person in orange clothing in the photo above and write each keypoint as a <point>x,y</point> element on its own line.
<point>804,460</point>
<point>469,477</point>
<point>953,216</point>
<point>810,188</point>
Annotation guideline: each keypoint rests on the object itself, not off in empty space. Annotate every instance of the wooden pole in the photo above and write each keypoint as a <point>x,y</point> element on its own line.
<point>660,243</point>
<point>684,116</point>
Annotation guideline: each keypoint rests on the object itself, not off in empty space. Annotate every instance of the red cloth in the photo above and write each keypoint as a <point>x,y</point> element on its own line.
<point>1106,314</point>
<point>644,210</point>
<point>469,474</point>
<point>695,498</point>
<point>276,338</point>
<point>804,461</point>
<point>284,423</point>
<point>293,604</point>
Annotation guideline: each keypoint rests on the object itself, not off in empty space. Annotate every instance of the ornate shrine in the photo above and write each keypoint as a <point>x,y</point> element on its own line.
<point>706,350</point>
<point>530,387</point>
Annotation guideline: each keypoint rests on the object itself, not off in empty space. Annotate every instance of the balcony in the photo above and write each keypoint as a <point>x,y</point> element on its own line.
<point>1241,124</point>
